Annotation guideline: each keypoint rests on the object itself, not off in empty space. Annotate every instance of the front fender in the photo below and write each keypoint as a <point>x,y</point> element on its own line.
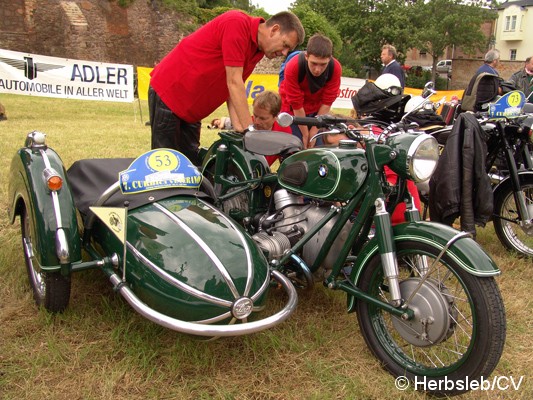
<point>27,188</point>
<point>466,252</point>
<point>506,183</point>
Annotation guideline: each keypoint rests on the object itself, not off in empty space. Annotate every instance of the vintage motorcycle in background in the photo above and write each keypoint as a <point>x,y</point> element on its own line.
<point>509,158</point>
<point>425,295</point>
<point>509,165</point>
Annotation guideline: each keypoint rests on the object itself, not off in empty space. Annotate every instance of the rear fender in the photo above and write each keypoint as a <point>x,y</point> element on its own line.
<point>249,165</point>
<point>466,252</point>
<point>54,228</point>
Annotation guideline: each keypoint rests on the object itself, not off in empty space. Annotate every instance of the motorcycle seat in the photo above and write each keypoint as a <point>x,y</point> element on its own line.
<point>269,143</point>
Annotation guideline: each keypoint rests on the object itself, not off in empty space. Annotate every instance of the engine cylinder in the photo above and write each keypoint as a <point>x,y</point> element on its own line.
<point>274,245</point>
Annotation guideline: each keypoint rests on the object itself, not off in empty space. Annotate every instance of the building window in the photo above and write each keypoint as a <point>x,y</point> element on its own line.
<point>510,23</point>
<point>512,56</point>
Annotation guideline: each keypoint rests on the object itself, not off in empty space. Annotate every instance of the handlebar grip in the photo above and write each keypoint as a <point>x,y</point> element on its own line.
<point>309,121</point>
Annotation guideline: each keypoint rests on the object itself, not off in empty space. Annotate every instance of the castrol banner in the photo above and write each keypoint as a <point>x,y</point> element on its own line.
<point>37,75</point>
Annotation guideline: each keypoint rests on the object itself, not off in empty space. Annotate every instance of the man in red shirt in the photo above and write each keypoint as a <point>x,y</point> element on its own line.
<point>209,67</point>
<point>311,84</point>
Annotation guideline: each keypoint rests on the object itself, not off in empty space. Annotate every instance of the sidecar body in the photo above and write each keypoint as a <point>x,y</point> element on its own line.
<point>149,225</point>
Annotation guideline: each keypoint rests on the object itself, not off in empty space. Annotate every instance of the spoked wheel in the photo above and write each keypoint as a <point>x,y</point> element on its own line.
<point>457,332</point>
<point>50,289</point>
<point>506,221</point>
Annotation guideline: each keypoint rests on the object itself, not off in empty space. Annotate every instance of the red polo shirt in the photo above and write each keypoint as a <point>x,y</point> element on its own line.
<point>295,95</point>
<point>191,79</point>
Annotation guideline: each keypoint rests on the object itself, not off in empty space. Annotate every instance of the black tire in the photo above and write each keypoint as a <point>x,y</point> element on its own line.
<point>464,340</point>
<point>509,232</point>
<point>50,289</point>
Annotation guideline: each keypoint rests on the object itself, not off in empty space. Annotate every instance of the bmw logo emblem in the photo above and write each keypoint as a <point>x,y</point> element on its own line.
<point>322,171</point>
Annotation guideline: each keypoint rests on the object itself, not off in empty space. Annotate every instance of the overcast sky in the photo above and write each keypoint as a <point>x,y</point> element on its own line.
<point>272,6</point>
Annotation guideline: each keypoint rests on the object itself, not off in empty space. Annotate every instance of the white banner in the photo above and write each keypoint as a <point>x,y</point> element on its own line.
<point>36,75</point>
<point>348,89</point>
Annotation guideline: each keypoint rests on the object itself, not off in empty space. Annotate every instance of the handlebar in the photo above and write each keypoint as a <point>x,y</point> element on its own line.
<point>320,121</point>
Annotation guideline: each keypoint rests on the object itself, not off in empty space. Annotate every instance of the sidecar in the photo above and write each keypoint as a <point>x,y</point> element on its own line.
<point>149,225</point>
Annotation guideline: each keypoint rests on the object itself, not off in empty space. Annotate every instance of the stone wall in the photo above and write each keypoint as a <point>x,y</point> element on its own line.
<point>96,30</point>
<point>464,69</point>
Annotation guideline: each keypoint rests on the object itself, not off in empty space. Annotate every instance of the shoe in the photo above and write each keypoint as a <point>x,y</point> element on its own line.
<point>3,117</point>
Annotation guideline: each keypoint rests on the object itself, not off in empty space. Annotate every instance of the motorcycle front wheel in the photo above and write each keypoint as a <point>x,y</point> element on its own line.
<point>458,330</point>
<point>506,219</point>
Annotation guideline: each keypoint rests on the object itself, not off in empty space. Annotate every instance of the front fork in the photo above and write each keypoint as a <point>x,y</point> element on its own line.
<point>519,195</point>
<point>387,250</point>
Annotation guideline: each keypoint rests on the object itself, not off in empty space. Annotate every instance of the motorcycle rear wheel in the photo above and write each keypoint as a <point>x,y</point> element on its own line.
<point>50,289</point>
<point>510,234</point>
<point>458,331</point>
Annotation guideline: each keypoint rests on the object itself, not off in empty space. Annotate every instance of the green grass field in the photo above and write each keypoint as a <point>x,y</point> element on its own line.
<point>101,349</point>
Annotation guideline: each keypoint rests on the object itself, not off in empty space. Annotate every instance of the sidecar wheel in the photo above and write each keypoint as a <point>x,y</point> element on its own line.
<point>510,234</point>
<point>457,333</point>
<point>50,289</point>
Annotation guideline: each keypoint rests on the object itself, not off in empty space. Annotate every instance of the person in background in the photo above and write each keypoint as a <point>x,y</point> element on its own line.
<point>311,84</point>
<point>391,66</point>
<point>221,123</point>
<point>523,79</point>
<point>492,59</point>
<point>209,67</point>
<point>3,115</point>
<point>266,107</point>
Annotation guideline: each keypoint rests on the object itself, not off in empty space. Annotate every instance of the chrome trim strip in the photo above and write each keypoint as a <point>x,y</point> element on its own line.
<point>250,266</point>
<point>176,282</point>
<point>207,250</point>
<point>210,330</point>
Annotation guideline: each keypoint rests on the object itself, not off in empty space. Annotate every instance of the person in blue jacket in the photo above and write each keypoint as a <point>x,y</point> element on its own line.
<point>492,60</point>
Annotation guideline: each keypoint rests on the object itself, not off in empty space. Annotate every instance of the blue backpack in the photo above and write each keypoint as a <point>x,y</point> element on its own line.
<point>284,64</point>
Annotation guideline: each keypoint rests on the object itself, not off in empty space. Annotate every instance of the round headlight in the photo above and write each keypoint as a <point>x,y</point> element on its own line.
<point>417,155</point>
<point>422,157</point>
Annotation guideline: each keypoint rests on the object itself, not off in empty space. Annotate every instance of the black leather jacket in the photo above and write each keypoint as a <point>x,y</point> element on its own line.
<point>460,187</point>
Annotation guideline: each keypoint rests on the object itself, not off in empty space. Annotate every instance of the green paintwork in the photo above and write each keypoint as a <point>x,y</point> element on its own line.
<point>27,189</point>
<point>174,251</point>
<point>333,174</point>
<point>466,251</point>
<point>401,144</point>
<point>241,166</point>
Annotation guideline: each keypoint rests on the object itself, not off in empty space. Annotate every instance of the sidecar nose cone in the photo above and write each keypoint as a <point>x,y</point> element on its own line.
<point>242,307</point>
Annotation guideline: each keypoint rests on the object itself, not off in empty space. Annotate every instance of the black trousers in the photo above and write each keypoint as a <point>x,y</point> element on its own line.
<point>170,131</point>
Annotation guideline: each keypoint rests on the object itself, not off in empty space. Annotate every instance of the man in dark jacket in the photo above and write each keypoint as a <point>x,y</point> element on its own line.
<point>523,79</point>
<point>391,66</point>
<point>460,187</point>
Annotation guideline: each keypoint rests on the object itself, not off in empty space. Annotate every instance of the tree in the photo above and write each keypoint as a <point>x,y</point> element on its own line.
<point>314,22</point>
<point>446,23</point>
<point>430,25</point>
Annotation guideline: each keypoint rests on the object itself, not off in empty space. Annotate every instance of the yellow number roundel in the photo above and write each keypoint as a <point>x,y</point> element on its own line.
<point>514,99</point>
<point>163,160</point>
